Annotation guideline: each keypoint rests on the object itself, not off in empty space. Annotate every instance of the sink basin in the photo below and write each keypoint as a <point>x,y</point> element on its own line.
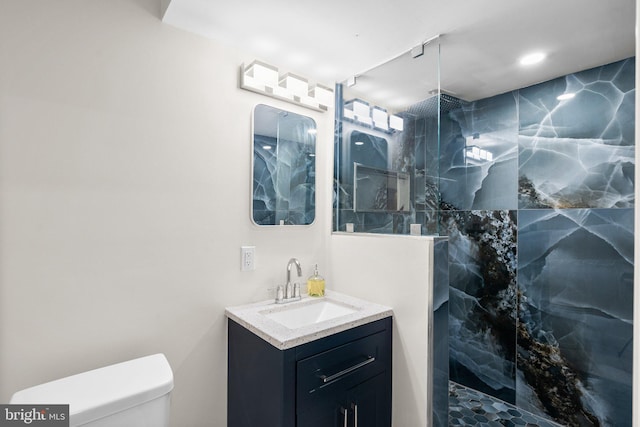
<point>300,315</point>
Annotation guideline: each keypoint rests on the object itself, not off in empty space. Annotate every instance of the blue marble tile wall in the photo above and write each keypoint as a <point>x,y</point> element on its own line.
<point>537,198</point>
<point>470,183</point>
<point>483,299</point>
<point>575,320</point>
<point>440,356</point>
<point>579,153</point>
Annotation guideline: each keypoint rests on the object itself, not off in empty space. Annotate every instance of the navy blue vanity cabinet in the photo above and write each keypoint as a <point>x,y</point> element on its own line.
<point>343,380</point>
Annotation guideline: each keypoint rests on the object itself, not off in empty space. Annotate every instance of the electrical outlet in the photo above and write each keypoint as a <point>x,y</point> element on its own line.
<point>248,259</point>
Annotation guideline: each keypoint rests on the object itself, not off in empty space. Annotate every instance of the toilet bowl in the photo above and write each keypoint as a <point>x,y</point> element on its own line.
<point>135,393</point>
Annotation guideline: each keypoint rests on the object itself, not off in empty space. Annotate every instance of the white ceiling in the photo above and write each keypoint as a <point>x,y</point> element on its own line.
<point>482,40</point>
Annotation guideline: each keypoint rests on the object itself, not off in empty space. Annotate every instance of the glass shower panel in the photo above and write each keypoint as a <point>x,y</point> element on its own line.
<point>387,146</point>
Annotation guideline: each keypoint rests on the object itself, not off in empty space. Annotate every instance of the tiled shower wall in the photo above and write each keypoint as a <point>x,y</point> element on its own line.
<point>540,226</point>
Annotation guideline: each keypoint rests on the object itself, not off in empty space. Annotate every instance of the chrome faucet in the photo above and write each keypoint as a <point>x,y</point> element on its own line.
<point>290,292</point>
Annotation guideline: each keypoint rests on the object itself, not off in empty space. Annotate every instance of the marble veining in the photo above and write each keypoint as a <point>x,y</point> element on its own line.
<point>482,298</point>
<point>467,182</point>
<point>579,152</point>
<point>576,313</point>
<point>251,317</point>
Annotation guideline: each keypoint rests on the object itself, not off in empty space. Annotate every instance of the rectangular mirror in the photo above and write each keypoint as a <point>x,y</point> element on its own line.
<point>283,167</point>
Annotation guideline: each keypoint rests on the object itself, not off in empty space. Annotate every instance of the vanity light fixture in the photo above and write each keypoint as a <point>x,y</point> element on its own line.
<point>299,88</point>
<point>476,153</point>
<point>376,117</point>
<point>322,94</point>
<point>359,111</point>
<point>396,122</point>
<point>380,118</point>
<point>348,114</point>
<point>260,77</point>
<point>266,79</point>
<point>297,85</point>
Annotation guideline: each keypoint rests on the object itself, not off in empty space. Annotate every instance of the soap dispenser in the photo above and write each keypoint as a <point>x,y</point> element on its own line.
<point>315,284</point>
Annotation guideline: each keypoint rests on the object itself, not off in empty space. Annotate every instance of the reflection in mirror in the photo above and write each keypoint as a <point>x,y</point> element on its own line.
<point>380,190</point>
<point>387,146</point>
<point>284,167</point>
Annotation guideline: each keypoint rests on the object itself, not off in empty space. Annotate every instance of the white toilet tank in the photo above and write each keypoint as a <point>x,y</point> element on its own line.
<point>128,394</point>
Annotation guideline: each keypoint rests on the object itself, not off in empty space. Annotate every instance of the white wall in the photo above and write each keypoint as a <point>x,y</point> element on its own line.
<point>124,198</point>
<point>395,271</point>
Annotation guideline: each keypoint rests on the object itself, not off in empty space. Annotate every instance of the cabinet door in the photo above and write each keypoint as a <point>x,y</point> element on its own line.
<point>370,403</point>
<point>324,380</point>
<point>326,411</point>
<point>366,405</point>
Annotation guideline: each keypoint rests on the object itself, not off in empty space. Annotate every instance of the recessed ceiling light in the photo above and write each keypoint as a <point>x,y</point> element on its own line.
<point>267,147</point>
<point>565,96</point>
<point>359,143</point>
<point>532,58</point>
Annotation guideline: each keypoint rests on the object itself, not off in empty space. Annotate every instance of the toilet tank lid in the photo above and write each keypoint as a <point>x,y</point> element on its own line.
<point>96,394</point>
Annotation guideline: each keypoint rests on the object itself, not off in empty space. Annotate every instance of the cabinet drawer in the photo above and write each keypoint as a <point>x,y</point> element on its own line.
<point>340,367</point>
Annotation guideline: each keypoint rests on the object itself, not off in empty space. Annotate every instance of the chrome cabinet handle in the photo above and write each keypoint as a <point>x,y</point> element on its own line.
<point>355,412</point>
<point>345,412</point>
<point>326,379</point>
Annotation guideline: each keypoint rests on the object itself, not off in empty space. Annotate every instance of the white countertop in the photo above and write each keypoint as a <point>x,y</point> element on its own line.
<point>251,316</point>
